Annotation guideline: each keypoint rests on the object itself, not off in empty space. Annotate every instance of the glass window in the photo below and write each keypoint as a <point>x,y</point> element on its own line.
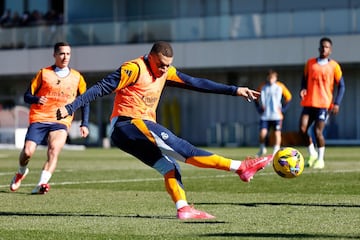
<point>120,10</point>
<point>190,8</point>
<point>211,8</point>
<point>162,9</point>
<point>139,9</point>
<point>14,5</point>
<point>19,5</point>
<point>286,5</point>
<point>278,24</point>
<point>337,21</point>
<point>39,5</point>
<point>104,12</point>
<point>356,20</point>
<point>224,8</point>
<point>245,6</point>
<point>245,26</point>
<point>307,23</point>
<point>134,9</point>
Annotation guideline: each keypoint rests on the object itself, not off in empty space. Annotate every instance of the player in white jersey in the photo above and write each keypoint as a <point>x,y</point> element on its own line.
<point>273,102</point>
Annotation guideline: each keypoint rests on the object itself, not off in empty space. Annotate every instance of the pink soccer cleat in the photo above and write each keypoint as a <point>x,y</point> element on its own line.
<point>16,181</point>
<point>249,167</point>
<point>189,212</point>
<point>41,189</point>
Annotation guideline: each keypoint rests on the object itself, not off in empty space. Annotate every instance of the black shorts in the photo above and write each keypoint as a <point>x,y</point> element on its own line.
<point>315,114</point>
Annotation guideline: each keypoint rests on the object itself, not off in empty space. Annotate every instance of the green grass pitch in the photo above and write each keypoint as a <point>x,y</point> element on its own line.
<point>107,194</point>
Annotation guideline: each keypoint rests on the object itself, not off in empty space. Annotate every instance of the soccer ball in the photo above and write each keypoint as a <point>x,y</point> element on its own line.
<point>288,162</point>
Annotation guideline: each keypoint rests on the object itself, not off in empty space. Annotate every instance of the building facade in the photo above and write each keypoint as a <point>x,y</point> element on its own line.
<point>229,41</point>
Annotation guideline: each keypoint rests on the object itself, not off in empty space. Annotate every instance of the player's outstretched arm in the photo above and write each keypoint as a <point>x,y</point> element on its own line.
<point>206,85</point>
<point>103,87</point>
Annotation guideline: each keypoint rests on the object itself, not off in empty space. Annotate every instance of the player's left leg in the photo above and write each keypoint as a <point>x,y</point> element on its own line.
<point>182,150</point>
<point>56,141</point>
<point>306,120</point>
<point>319,128</point>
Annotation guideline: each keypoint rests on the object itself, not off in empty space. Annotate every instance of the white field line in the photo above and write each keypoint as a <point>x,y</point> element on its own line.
<point>161,179</point>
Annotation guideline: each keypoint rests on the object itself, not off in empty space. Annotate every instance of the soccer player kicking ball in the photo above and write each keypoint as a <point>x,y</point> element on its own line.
<point>138,85</point>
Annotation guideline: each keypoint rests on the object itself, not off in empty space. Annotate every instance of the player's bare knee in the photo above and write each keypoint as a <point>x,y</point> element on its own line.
<point>27,152</point>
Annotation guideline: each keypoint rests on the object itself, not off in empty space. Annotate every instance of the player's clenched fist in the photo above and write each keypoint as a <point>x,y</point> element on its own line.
<point>61,113</point>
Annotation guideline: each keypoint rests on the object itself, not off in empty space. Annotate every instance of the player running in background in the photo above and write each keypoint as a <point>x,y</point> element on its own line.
<point>321,74</point>
<point>273,102</point>
<point>138,85</point>
<point>51,88</point>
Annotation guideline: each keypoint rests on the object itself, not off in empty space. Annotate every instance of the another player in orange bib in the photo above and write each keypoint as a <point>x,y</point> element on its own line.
<point>51,88</point>
<point>321,74</point>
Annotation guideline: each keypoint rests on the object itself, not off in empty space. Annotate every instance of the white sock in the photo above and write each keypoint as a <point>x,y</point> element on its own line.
<point>181,203</point>
<point>234,165</point>
<point>321,153</point>
<point>276,148</point>
<point>44,177</point>
<point>312,150</point>
<point>22,169</point>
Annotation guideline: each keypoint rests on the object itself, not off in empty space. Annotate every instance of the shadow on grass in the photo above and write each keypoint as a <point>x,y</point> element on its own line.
<point>10,192</point>
<point>27,214</point>
<point>279,235</point>
<point>256,204</point>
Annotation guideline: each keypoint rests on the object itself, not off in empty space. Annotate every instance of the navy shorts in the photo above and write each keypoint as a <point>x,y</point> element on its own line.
<point>315,114</point>
<point>150,141</point>
<point>39,132</point>
<point>274,124</point>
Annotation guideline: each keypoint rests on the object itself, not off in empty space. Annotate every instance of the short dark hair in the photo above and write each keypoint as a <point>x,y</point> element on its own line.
<point>162,47</point>
<point>60,44</point>
<point>272,72</point>
<point>325,39</point>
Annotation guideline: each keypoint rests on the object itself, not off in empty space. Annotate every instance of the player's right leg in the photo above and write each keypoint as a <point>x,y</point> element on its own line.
<point>170,169</point>
<point>25,155</point>
<point>263,125</point>
<point>36,134</point>
<point>16,180</point>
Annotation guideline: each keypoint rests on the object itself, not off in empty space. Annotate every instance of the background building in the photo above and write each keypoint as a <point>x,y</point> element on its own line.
<point>229,41</point>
